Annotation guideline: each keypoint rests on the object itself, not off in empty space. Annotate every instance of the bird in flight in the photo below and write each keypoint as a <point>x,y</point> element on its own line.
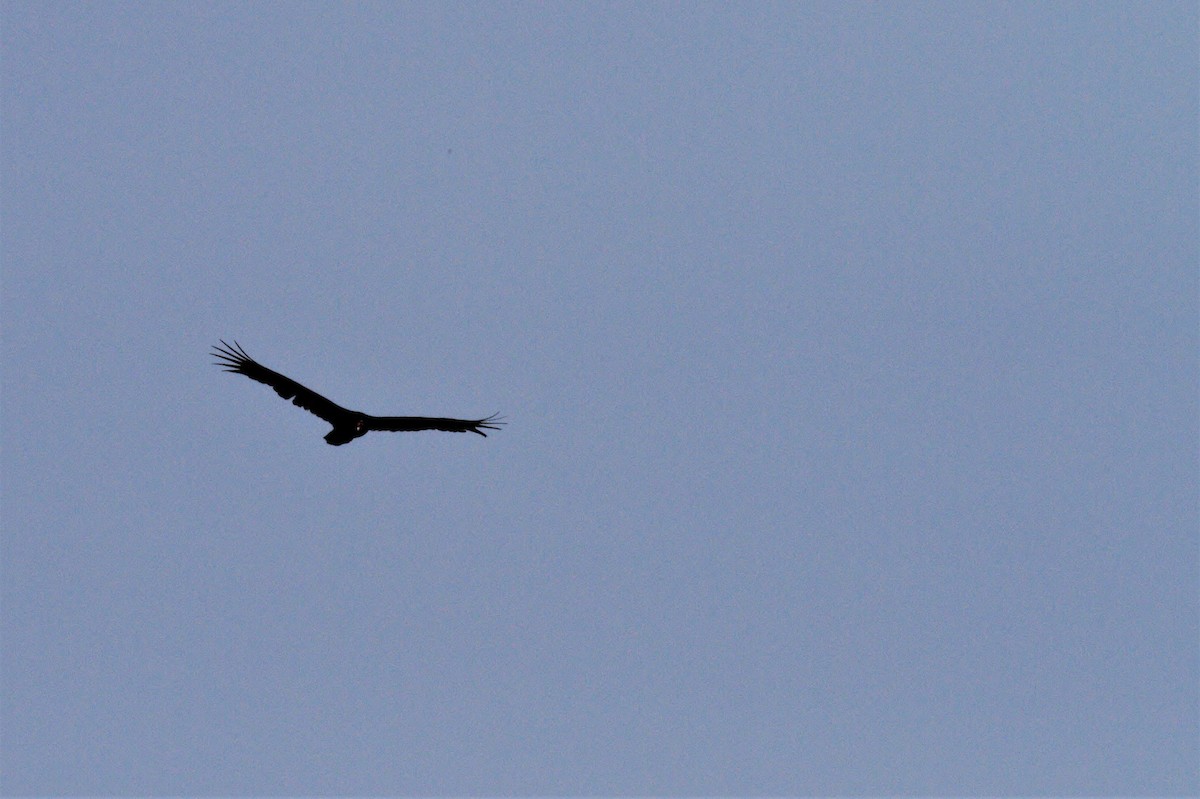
<point>347,425</point>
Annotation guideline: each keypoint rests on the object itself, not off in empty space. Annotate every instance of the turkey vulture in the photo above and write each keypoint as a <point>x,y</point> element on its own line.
<point>347,425</point>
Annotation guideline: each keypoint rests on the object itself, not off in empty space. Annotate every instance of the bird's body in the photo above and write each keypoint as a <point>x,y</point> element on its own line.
<point>347,424</point>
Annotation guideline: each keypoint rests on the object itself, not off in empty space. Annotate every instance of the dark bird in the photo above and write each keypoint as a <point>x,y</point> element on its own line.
<point>347,425</point>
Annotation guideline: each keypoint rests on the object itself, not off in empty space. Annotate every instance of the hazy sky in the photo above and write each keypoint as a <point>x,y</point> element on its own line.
<point>849,353</point>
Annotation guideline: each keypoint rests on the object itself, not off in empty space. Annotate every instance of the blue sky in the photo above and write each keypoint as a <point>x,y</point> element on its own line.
<point>849,353</point>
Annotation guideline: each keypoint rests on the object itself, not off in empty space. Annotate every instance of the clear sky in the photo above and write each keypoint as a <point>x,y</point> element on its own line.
<point>850,355</point>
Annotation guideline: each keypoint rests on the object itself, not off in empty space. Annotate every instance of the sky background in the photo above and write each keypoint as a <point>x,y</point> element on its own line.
<point>849,354</point>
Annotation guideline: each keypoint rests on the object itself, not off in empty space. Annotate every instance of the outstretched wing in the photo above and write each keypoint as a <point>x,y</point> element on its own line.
<point>404,424</point>
<point>235,359</point>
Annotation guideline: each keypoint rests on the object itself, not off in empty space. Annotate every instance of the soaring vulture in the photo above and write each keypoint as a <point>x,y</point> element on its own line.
<point>347,425</point>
